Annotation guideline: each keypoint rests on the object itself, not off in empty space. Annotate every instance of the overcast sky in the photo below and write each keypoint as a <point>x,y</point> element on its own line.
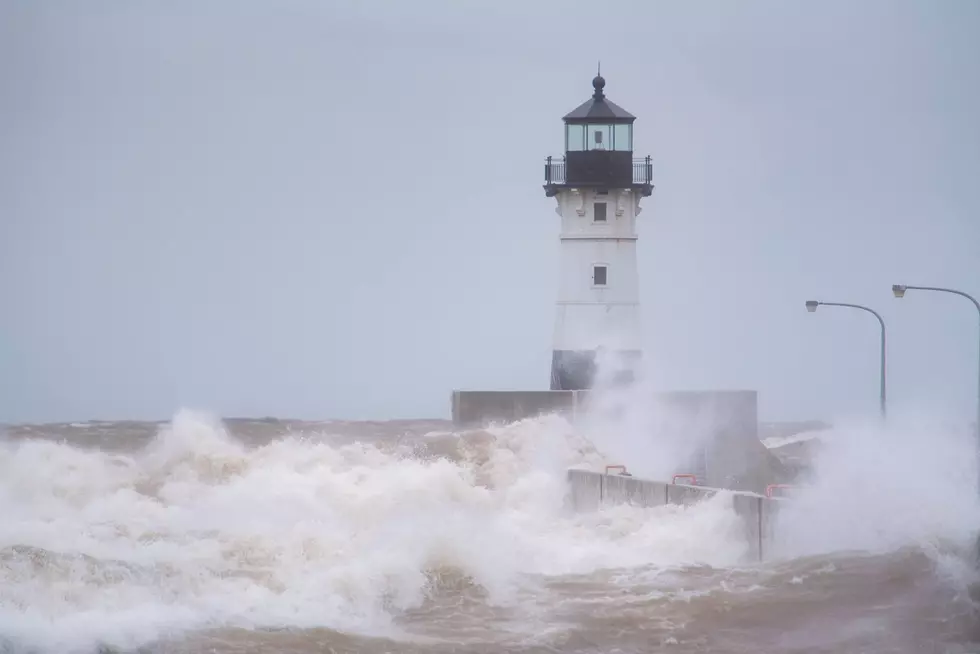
<point>334,208</point>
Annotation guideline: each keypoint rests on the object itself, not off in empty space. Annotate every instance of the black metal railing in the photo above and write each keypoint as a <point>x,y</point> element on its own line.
<point>643,170</point>
<point>554,170</point>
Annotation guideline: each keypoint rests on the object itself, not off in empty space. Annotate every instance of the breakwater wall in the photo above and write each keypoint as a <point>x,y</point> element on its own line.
<point>722,426</point>
<point>730,410</point>
<point>590,491</point>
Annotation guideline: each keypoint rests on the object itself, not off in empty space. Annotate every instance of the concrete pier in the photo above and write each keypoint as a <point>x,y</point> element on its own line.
<point>590,491</point>
<point>481,408</point>
<point>734,411</point>
<point>722,425</point>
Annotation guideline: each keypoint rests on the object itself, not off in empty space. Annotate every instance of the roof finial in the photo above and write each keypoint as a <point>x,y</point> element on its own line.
<point>598,70</point>
<point>598,83</point>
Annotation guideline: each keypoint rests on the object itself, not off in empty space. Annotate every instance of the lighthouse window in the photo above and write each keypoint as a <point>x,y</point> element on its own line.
<point>599,209</point>
<point>623,135</point>
<point>599,275</point>
<point>600,137</point>
<point>574,138</point>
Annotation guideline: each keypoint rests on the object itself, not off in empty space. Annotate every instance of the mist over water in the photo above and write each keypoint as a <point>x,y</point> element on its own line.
<point>202,536</point>
<point>877,488</point>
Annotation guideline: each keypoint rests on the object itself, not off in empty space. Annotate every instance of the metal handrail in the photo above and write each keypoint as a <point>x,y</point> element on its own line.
<point>771,487</point>
<point>693,478</point>
<point>554,170</point>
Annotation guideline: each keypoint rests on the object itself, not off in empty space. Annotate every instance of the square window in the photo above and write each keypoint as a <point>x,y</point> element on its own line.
<point>599,275</point>
<point>599,210</point>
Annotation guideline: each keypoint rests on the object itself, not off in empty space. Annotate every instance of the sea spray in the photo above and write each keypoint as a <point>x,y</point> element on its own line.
<point>875,488</point>
<point>198,531</point>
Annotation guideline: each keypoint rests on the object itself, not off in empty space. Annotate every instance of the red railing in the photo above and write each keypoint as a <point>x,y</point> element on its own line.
<point>616,467</point>
<point>693,478</point>
<point>771,487</point>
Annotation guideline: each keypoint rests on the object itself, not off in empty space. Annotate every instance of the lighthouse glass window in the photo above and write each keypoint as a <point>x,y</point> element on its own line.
<point>623,138</point>
<point>599,212</point>
<point>599,275</point>
<point>574,138</point>
<point>600,137</point>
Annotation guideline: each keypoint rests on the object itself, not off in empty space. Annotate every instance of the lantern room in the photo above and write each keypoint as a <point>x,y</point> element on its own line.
<point>598,148</point>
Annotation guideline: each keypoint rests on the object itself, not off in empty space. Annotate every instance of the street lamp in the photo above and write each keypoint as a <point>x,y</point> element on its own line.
<point>811,306</point>
<point>899,291</point>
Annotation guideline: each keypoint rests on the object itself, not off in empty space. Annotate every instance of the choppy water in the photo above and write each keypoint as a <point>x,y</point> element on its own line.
<point>266,536</point>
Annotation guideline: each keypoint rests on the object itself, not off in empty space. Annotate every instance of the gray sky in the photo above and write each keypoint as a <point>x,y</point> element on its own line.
<point>334,209</point>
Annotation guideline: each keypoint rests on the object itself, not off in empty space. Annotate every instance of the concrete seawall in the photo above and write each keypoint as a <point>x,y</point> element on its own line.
<point>722,426</point>
<point>479,408</point>
<point>728,410</point>
<point>590,491</point>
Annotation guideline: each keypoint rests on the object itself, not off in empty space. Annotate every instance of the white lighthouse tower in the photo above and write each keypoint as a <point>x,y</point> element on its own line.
<point>598,185</point>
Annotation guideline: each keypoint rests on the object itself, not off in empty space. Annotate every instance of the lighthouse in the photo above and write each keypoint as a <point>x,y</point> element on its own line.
<point>598,185</point>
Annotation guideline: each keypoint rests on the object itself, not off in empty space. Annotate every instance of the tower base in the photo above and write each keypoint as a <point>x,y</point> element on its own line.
<point>577,370</point>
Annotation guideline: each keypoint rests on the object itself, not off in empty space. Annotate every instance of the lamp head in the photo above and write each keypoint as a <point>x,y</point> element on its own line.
<point>899,290</point>
<point>811,305</point>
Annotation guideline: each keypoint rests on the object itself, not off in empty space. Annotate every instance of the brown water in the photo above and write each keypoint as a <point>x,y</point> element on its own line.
<point>278,536</point>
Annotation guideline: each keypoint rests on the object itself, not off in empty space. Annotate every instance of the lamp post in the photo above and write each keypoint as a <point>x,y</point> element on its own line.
<point>812,305</point>
<point>899,291</point>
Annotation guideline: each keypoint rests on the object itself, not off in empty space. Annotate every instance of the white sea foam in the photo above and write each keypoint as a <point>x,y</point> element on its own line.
<point>197,530</point>
<point>878,488</point>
